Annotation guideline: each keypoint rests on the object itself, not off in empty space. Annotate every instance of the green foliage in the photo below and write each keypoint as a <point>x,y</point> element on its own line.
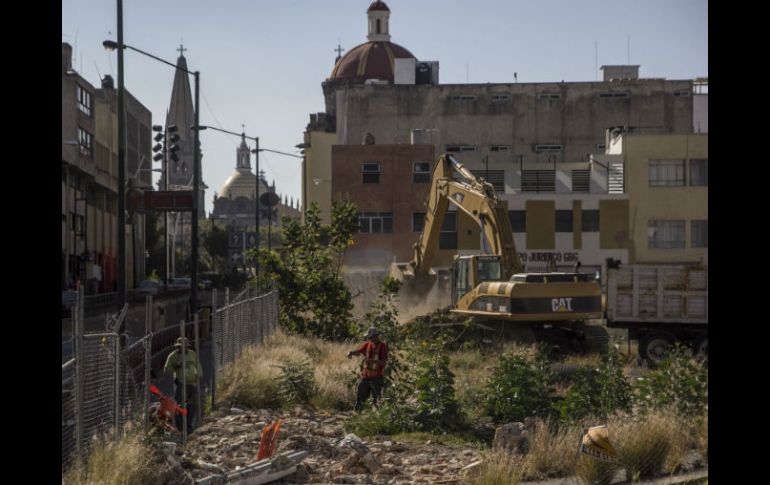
<point>154,276</point>
<point>519,387</point>
<point>679,381</point>
<point>597,391</point>
<point>436,409</point>
<point>214,245</point>
<point>296,383</point>
<point>306,271</point>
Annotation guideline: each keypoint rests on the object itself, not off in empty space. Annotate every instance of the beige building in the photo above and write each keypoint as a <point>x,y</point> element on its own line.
<point>667,184</point>
<point>532,141</point>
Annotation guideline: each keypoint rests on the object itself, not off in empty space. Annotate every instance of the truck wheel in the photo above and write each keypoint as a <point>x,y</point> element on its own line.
<point>653,347</point>
<point>701,348</point>
<point>596,338</point>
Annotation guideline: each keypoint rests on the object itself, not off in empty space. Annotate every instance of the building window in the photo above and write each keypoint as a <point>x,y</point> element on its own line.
<point>538,180</point>
<point>518,220</point>
<point>581,181</point>
<point>699,176</point>
<point>418,221</point>
<point>666,173</point>
<point>563,221</point>
<point>499,98</point>
<point>499,148</point>
<point>421,172</point>
<point>665,234</point>
<point>601,147</point>
<point>464,97</point>
<point>699,231</point>
<point>371,172</point>
<point>618,94</point>
<point>448,237</point>
<point>460,148</point>
<point>375,222</point>
<point>546,148</point>
<point>590,220</point>
<point>84,100</point>
<point>549,96</point>
<point>682,94</point>
<point>494,177</point>
<point>85,140</point>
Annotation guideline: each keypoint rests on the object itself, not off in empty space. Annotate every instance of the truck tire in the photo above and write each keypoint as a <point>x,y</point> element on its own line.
<point>701,347</point>
<point>597,339</point>
<point>654,346</point>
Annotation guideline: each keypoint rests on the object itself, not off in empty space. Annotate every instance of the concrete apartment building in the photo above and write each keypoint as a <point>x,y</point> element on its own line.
<point>532,141</point>
<point>89,181</point>
<point>388,184</point>
<point>667,186</point>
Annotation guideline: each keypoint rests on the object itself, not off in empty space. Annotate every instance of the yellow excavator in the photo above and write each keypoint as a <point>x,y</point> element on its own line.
<point>491,285</point>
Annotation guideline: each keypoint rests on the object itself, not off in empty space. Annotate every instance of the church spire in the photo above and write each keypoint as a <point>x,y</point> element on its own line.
<point>244,155</point>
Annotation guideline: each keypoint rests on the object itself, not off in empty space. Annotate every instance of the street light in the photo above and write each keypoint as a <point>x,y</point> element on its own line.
<point>120,46</point>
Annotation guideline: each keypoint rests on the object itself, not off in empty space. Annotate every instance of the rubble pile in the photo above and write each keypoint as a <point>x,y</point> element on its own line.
<point>229,440</point>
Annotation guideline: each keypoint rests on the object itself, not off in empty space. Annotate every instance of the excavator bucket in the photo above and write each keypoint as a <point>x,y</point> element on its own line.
<point>416,283</point>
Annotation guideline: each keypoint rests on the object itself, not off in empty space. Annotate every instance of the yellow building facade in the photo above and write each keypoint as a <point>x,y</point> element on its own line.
<point>667,184</point>
<point>317,168</point>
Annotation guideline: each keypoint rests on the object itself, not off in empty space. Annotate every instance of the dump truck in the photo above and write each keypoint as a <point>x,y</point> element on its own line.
<point>659,305</point>
<point>491,284</point>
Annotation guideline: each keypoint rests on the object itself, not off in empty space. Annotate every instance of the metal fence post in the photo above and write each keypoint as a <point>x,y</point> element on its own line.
<point>117,379</point>
<point>147,359</point>
<point>199,408</point>
<point>212,325</point>
<point>183,381</point>
<point>78,354</point>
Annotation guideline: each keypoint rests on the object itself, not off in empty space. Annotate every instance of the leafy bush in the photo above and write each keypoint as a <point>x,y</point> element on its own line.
<point>420,398</point>
<point>518,388</point>
<point>597,391</point>
<point>296,384</point>
<point>679,381</point>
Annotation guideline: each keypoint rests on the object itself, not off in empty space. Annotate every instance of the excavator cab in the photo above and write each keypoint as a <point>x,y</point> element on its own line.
<point>470,271</point>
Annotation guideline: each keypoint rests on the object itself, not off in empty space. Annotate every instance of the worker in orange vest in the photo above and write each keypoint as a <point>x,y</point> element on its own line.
<point>373,374</point>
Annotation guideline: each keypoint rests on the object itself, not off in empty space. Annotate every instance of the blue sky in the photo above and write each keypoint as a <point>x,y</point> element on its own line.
<point>262,62</point>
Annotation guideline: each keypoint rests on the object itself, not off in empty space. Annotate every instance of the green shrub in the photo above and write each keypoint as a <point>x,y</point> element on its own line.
<point>296,383</point>
<point>518,388</point>
<point>679,381</point>
<point>597,391</point>
<point>436,409</point>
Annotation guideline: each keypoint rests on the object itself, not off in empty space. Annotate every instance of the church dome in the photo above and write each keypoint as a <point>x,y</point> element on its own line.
<point>374,59</point>
<point>241,184</point>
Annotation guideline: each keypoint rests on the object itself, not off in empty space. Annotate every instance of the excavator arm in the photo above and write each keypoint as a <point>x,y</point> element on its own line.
<point>452,183</point>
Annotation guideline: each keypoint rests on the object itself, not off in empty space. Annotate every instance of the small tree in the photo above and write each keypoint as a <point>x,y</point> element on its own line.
<point>679,381</point>
<point>518,388</point>
<point>597,391</point>
<point>306,271</point>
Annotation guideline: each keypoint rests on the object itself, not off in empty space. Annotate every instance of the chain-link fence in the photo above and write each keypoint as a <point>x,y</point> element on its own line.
<point>248,321</point>
<point>106,381</point>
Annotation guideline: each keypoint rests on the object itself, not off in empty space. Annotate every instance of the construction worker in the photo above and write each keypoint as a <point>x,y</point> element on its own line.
<point>373,374</point>
<point>192,371</point>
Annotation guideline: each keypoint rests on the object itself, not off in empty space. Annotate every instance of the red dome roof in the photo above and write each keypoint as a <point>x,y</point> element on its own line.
<point>372,60</point>
<point>378,5</point>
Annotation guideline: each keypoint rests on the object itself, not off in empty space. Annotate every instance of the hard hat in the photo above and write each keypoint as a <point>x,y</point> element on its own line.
<point>179,342</point>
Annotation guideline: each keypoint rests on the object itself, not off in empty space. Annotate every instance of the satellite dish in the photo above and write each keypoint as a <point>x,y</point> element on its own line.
<point>269,199</point>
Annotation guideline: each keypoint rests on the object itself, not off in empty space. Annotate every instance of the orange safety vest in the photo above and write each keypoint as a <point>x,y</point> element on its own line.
<point>373,369</point>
